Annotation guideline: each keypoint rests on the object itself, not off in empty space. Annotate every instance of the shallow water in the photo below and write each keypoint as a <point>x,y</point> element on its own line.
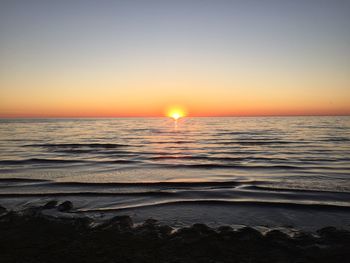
<point>296,163</point>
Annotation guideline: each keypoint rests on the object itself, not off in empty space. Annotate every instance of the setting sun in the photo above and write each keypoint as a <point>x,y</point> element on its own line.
<point>176,114</point>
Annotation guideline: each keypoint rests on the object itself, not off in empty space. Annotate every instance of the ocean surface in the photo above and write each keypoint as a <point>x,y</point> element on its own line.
<point>241,170</point>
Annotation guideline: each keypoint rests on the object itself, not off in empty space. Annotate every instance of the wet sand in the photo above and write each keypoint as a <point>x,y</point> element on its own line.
<point>36,235</point>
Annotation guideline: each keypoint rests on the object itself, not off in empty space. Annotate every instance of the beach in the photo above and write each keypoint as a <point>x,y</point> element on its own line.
<point>32,236</point>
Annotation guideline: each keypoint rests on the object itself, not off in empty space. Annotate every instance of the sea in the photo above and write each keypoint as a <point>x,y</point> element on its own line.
<point>260,171</point>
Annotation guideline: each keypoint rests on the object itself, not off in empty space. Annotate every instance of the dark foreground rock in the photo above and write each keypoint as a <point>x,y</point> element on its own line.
<point>33,237</point>
<point>2,210</point>
<point>50,205</point>
<point>65,206</point>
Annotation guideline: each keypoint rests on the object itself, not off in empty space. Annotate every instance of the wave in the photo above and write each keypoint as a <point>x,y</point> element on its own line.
<point>61,161</point>
<point>78,145</point>
<point>133,160</point>
<point>171,142</point>
<point>216,163</point>
<point>284,205</point>
<point>96,194</point>
<point>250,133</point>
<point>170,157</point>
<point>165,184</point>
<point>16,180</point>
<point>38,161</point>
<point>104,151</point>
<point>179,191</point>
<point>279,189</point>
<point>254,142</point>
<point>245,167</point>
<point>221,159</point>
<point>239,141</point>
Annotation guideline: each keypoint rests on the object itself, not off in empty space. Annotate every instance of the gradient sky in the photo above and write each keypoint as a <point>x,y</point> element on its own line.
<point>137,58</point>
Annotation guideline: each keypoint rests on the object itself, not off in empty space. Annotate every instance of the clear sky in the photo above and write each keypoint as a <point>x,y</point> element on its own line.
<point>137,58</point>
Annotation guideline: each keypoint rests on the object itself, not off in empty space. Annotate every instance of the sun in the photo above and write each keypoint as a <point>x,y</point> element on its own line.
<point>176,113</point>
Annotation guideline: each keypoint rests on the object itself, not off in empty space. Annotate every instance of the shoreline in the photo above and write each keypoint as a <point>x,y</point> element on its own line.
<point>178,214</point>
<point>31,235</point>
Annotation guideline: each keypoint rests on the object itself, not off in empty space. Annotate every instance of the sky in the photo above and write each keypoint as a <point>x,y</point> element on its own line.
<point>138,58</point>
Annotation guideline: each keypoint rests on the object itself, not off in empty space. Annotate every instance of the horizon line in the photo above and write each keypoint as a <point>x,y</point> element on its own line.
<point>157,116</point>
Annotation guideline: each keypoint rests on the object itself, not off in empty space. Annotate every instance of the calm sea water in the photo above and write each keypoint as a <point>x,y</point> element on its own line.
<point>121,164</point>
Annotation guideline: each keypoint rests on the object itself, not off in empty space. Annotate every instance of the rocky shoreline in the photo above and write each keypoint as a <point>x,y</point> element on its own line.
<point>33,236</point>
